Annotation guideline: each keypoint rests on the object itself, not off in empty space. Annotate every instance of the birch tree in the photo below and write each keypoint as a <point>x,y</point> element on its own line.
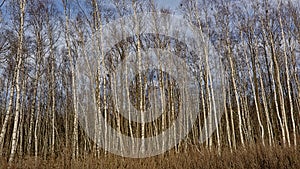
<point>22,4</point>
<point>73,83</point>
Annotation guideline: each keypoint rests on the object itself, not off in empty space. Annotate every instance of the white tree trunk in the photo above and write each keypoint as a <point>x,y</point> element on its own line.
<point>22,4</point>
<point>255,97</point>
<point>73,83</point>
<point>7,116</point>
<point>288,82</point>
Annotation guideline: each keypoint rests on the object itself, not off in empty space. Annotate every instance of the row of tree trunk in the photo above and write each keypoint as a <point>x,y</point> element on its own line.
<point>41,43</point>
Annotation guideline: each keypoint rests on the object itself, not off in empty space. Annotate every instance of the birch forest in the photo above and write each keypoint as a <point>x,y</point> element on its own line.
<point>258,44</point>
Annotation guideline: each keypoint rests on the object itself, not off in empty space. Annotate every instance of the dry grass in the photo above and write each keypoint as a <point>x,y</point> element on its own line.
<point>251,157</point>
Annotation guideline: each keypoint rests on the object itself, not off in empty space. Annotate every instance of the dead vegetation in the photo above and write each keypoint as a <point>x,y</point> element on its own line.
<point>255,156</point>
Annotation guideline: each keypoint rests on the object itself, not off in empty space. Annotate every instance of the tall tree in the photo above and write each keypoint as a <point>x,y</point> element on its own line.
<point>22,4</point>
<point>73,83</point>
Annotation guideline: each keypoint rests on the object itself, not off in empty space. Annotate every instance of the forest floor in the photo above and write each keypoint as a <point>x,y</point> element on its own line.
<point>249,158</point>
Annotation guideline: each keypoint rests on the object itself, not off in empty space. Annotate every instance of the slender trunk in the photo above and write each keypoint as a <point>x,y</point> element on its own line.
<point>140,80</point>
<point>21,131</point>
<point>254,88</point>
<point>74,94</point>
<point>288,83</point>
<point>226,114</point>
<point>36,129</point>
<point>31,121</point>
<point>276,79</point>
<point>7,116</point>
<point>232,121</point>
<point>212,107</point>
<point>233,76</point>
<point>52,81</point>
<point>18,69</point>
<point>264,98</point>
<point>278,85</point>
<point>271,78</point>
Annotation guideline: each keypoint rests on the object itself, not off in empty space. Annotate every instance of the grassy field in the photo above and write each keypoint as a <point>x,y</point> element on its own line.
<point>248,158</point>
